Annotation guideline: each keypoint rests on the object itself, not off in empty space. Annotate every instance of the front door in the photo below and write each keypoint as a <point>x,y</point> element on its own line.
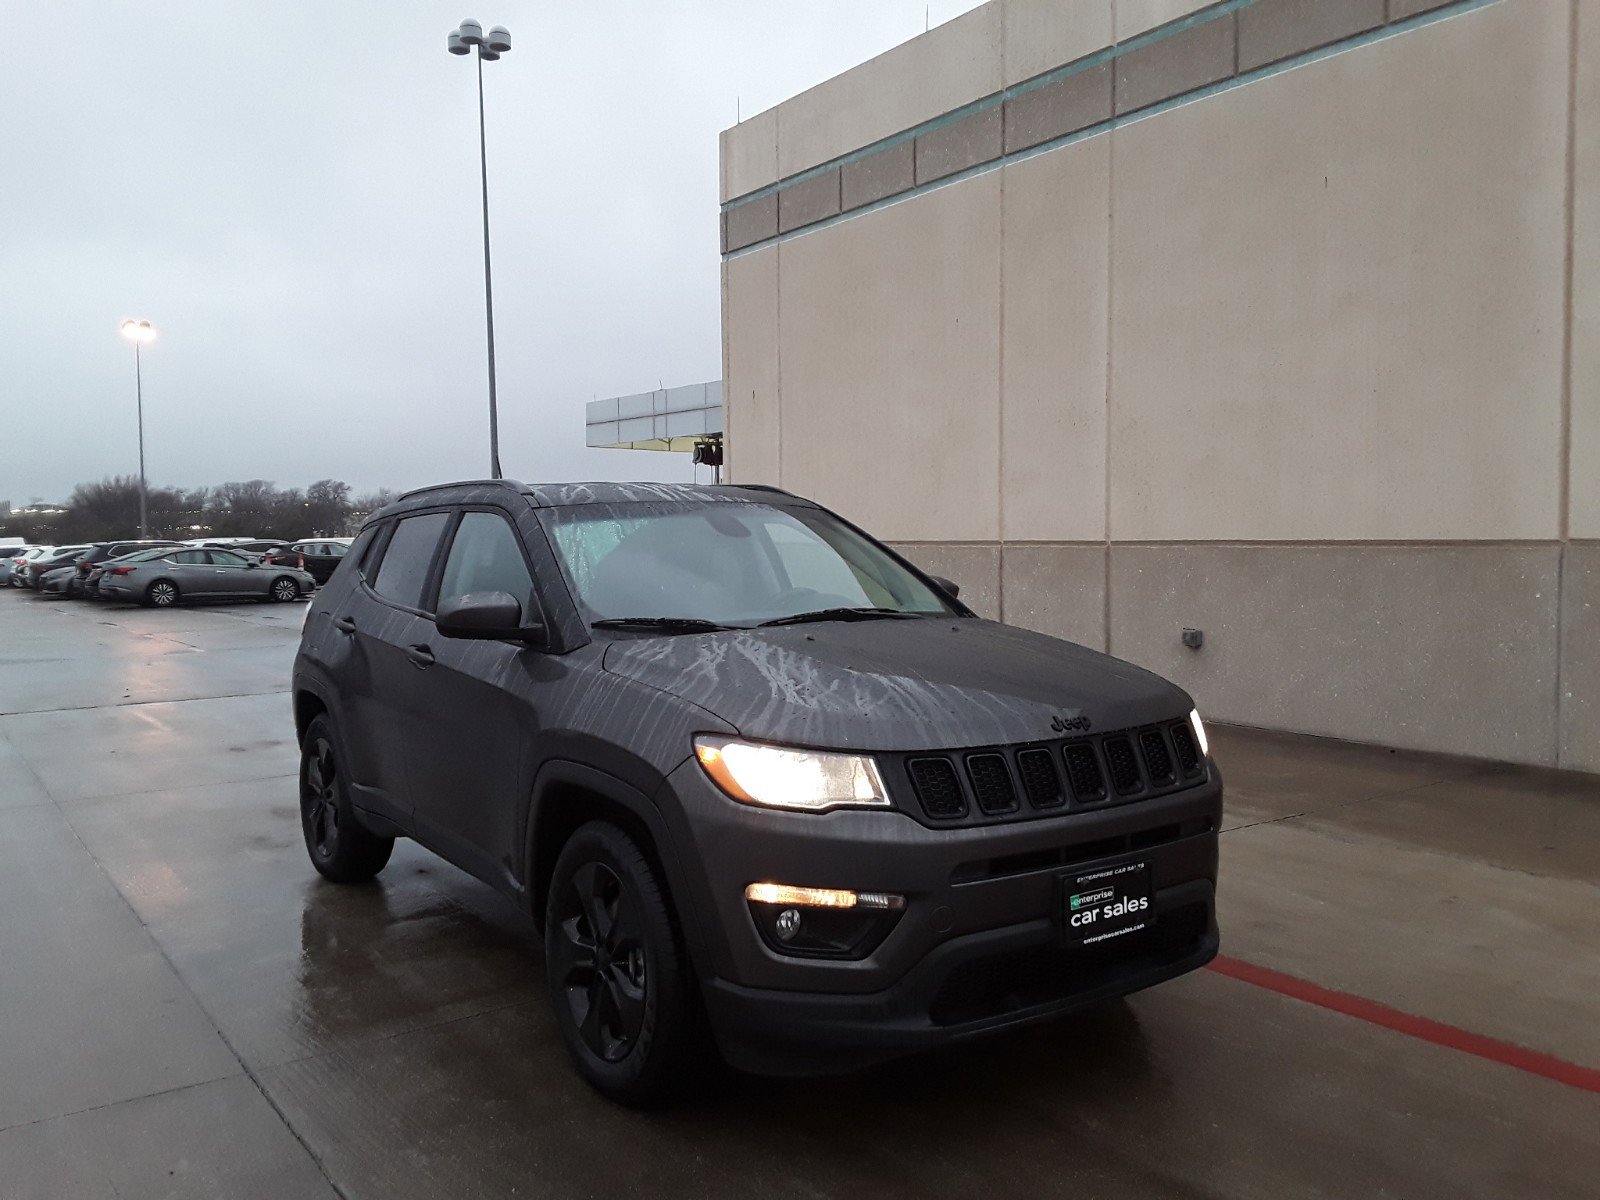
<point>471,757</point>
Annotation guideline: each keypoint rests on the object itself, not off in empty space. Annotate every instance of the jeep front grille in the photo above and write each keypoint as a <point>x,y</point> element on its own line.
<point>990,784</point>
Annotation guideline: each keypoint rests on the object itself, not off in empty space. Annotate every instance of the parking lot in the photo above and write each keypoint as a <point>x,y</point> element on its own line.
<point>1409,1003</point>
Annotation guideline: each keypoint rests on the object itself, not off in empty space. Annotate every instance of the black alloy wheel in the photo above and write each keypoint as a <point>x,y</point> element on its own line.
<point>285,589</point>
<point>618,979</point>
<point>603,967</point>
<point>341,848</point>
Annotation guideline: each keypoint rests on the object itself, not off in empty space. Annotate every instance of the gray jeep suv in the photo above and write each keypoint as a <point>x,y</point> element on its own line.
<point>754,775</point>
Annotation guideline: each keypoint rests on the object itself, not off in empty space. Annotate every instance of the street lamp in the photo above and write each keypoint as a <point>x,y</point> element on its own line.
<point>490,47</point>
<point>140,332</point>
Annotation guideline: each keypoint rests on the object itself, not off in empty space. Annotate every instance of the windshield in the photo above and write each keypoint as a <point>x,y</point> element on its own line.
<point>731,564</point>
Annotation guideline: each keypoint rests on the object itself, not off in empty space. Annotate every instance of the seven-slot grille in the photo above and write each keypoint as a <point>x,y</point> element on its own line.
<point>1123,764</point>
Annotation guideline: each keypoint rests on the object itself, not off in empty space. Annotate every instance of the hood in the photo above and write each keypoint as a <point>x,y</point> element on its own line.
<point>890,685</point>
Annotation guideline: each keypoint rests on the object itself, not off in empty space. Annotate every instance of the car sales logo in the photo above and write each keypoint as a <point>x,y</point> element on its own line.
<point>1072,722</point>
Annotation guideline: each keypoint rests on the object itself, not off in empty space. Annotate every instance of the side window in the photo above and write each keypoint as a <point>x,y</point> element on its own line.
<point>226,558</point>
<point>337,549</point>
<point>486,556</point>
<point>361,549</point>
<point>403,573</point>
<point>189,558</point>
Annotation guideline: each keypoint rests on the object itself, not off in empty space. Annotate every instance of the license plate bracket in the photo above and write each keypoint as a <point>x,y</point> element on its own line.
<point>1101,904</point>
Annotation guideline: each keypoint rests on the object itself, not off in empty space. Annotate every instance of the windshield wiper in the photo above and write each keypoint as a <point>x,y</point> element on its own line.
<point>838,614</point>
<point>672,624</point>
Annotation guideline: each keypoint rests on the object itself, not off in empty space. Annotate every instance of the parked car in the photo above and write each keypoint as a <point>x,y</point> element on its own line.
<point>318,555</point>
<point>15,558</point>
<point>63,581</point>
<point>162,578</point>
<point>35,568</point>
<point>752,772</point>
<point>256,547</point>
<point>87,582</point>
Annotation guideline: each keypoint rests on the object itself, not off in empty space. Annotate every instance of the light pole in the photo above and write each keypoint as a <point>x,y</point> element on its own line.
<point>490,47</point>
<point>140,332</point>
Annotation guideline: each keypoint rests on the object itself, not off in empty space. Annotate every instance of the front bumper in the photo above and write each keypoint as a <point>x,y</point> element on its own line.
<point>977,949</point>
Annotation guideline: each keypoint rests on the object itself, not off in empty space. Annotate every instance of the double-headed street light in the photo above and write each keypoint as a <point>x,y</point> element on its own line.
<point>140,332</point>
<point>490,47</point>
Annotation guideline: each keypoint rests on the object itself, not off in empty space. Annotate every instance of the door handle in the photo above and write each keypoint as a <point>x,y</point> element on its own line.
<point>345,624</point>
<point>420,656</point>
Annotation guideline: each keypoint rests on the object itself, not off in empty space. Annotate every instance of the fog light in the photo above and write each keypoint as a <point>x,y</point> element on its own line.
<point>811,922</point>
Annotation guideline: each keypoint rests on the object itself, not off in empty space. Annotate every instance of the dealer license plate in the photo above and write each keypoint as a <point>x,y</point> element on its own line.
<point>1106,903</point>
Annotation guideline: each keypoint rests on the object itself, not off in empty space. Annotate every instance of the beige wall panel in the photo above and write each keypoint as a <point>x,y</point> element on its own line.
<point>750,366</point>
<point>1059,590</point>
<point>1338,295</point>
<point>1133,17</point>
<point>750,154</point>
<point>943,69</point>
<point>1585,464</point>
<point>1053,448</point>
<point>1437,648</point>
<point>1044,34</point>
<point>1580,675</point>
<point>975,569</point>
<point>891,364</point>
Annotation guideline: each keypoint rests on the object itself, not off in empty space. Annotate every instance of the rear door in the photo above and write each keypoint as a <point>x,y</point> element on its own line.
<point>319,562</point>
<point>385,693</point>
<point>191,570</point>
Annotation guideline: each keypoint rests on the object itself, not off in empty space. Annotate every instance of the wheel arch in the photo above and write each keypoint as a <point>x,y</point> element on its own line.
<point>567,796</point>
<point>308,706</point>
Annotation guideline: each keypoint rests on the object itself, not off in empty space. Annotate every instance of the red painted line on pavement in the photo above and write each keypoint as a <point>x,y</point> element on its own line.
<point>1440,1034</point>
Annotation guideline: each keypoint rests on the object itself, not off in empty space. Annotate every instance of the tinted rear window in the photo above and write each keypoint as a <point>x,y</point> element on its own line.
<point>403,573</point>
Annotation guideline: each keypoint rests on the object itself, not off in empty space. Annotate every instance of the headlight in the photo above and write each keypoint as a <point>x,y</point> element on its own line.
<point>803,780</point>
<point>1199,733</point>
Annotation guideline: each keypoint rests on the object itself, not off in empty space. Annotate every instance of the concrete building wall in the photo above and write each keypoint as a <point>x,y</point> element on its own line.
<point>1279,319</point>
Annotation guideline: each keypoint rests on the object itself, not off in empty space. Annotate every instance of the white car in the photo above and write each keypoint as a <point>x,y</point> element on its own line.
<point>14,557</point>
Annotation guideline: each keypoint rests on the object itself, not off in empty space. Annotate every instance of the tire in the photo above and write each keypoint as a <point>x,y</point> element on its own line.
<point>283,589</point>
<point>163,593</point>
<point>623,999</point>
<point>341,848</point>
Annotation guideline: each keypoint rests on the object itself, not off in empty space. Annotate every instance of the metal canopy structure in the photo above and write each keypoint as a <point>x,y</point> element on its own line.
<point>666,419</point>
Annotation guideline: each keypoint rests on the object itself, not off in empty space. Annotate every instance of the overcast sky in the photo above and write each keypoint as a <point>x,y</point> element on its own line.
<point>289,193</point>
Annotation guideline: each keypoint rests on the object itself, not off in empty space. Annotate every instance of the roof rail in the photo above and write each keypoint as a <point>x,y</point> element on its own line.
<point>759,487</point>
<point>439,487</point>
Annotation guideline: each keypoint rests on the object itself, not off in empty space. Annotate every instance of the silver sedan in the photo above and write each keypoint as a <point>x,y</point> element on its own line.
<point>170,574</point>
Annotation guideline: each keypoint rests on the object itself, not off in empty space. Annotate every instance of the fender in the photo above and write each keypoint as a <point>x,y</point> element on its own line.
<point>558,773</point>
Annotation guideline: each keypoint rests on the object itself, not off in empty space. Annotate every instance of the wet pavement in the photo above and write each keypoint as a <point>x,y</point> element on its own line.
<point>187,1010</point>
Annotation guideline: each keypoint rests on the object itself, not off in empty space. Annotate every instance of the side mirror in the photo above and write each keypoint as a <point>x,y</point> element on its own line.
<point>250,562</point>
<point>950,588</point>
<point>487,616</point>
